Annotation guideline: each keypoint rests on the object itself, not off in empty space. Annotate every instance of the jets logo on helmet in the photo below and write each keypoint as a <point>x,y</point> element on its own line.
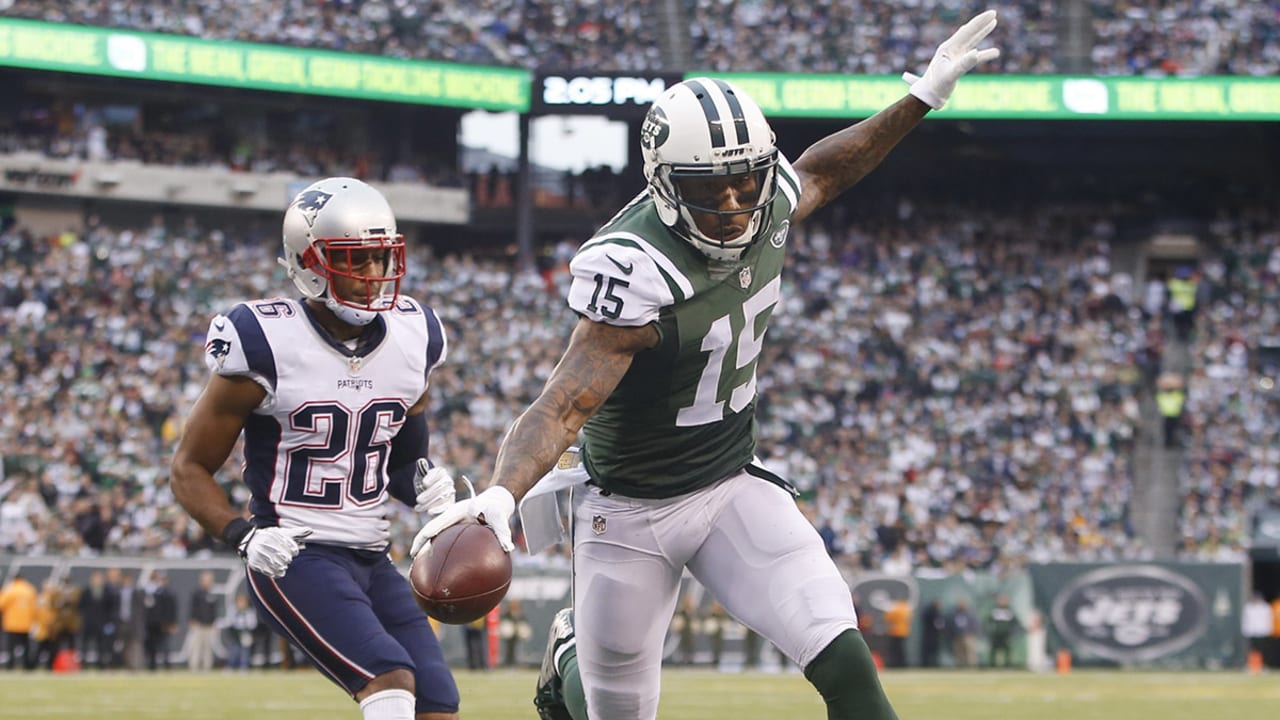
<point>705,130</point>
<point>655,130</point>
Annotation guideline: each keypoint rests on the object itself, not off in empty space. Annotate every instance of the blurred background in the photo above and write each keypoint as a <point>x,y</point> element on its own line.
<point>1025,373</point>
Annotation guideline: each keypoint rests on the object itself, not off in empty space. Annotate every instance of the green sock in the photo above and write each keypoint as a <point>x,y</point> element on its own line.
<point>575,698</point>
<point>845,675</point>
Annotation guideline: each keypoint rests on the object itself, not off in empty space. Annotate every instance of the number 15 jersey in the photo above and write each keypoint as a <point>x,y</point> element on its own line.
<point>683,416</point>
<point>316,449</point>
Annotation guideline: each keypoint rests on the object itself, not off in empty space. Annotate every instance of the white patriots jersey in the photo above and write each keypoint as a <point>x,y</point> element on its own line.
<point>316,449</point>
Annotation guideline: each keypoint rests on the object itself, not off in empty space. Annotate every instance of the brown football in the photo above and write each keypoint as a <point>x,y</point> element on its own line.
<point>463,574</point>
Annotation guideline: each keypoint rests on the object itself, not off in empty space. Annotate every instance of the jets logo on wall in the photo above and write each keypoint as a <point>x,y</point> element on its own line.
<point>877,591</point>
<point>310,203</point>
<point>1131,613</point>
<point>655,130</point>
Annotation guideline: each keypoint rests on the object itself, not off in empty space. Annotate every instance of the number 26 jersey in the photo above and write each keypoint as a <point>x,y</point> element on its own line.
<point>316,449</point>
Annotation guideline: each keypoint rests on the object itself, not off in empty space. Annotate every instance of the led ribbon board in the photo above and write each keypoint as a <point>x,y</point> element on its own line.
<point>151,56</point>
<point>1023,97</point>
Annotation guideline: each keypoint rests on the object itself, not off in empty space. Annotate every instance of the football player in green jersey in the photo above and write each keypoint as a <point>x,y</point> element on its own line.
<point>674,296</point>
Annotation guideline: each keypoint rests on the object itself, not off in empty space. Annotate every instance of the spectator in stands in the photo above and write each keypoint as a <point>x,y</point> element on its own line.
<point>1257,625</point>
<point>963,627</point>
<point>685,625</point>
<point>203,612</point>
<point>514,629</point>
<point>132,609</point>
<point>897,620</point>
<point>1001,625</point>
<point>1183,295</point>
<point>18,601</point>
<point>1275,631</point>
<point>477,642</point>
<point>160,620</point>
<point>933,629</point>
<point>238,631</point>
<point>43,643</point>
<point>1170,399</point>
<point>97,620</point>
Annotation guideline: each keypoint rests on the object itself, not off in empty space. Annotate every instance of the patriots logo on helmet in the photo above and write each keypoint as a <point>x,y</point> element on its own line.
<point>655,130</point>
<point>310,203</point>
<point>218,349</point>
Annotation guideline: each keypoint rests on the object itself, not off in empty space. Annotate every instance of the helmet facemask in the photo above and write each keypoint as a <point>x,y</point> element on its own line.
<point>699,190</point>
<point>336,261</point>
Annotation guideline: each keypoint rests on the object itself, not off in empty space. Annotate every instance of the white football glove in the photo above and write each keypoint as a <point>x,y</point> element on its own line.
<point>495,505</point>
<point>270,550</point>
<point>955,57</point>
<point>435,488</point>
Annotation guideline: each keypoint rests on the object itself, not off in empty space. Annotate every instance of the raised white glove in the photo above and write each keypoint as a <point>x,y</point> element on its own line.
<point>435,488</point>
<point>955,57</point>
<point>493,506</point>
<point>270,550</point>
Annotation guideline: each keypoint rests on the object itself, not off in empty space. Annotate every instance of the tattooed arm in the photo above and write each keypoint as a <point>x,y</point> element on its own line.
<point>594,363</point>
<point>838,161</point>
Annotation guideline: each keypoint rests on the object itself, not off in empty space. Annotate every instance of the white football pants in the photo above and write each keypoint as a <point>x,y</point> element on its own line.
<point>743,538</point>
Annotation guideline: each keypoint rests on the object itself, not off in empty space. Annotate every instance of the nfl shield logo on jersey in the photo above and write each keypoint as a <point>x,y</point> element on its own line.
<point>744,277</point>
<point>597,524</point>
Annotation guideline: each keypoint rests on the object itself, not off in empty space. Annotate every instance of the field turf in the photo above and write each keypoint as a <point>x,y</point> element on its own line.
<point>687,695</point>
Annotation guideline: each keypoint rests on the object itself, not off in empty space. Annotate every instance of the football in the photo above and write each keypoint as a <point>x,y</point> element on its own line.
<point>463,575</point>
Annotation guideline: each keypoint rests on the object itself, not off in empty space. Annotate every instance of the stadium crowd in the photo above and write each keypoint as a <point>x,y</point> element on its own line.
<point>1211,37</point>
<point>977,400</point>
<point>1232,407</point>
<point>1238,37</point>
<point>312,144</point>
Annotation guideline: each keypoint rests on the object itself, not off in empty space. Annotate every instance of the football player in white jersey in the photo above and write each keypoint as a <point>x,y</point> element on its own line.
<point>674,296</point>
<point>329,392</point>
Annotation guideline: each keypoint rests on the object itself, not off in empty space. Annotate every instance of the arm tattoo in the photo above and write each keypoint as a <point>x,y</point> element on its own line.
<point>835,163</point>
<point>595,362</point>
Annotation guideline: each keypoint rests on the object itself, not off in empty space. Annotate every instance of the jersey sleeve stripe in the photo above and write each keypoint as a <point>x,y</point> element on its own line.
<point>790,183</point>
<point>437,343</point>
<point>257,351</point>
<point>680,286</point>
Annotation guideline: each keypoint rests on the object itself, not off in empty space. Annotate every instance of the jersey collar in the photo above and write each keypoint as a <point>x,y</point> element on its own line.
<point>368,341</point>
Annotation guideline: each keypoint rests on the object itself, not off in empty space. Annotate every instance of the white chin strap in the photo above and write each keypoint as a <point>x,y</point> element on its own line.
<point>713,249</point>
<point>351,315</point>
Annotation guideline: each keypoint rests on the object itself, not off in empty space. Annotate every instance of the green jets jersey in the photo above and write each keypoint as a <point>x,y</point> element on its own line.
<point>683,417</point>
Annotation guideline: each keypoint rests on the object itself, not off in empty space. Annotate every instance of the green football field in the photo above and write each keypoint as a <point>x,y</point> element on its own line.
<point>687,695</point>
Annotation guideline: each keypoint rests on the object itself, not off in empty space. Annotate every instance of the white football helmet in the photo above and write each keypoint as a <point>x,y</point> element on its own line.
<point>702,128</point>
<point>323,226</point>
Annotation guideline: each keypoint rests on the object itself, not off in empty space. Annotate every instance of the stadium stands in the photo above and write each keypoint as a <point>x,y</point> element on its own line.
<point>1232,407</point>
<point>985,389</point>
<point>1236,37</point>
